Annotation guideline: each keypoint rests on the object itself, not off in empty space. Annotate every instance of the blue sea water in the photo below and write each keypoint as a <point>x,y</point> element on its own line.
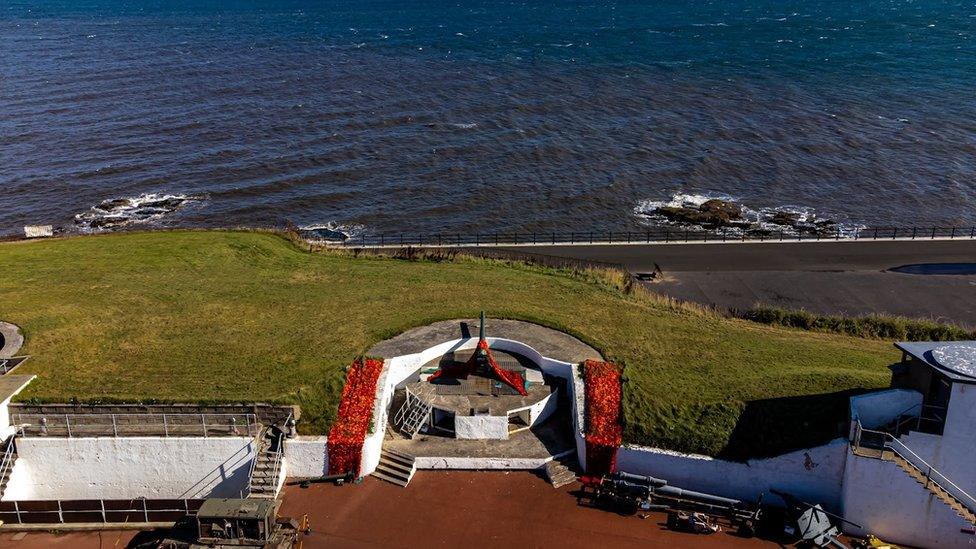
<point>426,115</point>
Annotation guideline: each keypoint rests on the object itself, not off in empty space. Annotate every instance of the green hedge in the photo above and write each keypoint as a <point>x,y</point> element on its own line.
<point>874,326</point>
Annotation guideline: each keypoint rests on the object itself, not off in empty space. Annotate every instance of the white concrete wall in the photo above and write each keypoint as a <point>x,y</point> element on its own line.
<point>879,408</point>
<point>5,428</point>
<point>543,410</point>
<point>308,457</point>
<point>881,498</point>
<point>814,474</point>
<point>151,467</point>
<point>481,427</point>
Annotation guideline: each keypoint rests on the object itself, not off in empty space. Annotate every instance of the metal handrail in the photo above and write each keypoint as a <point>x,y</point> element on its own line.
<point>166,424</point>
<point>7,463</point>
<point>278,455</point>
<point>656,235</point>
<point>423,394</point>
<point>931,473</point>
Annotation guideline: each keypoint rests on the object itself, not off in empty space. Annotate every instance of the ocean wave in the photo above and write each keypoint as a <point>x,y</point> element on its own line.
<point>116,213</point>
<point>684,210</point>
<point>330,232</point>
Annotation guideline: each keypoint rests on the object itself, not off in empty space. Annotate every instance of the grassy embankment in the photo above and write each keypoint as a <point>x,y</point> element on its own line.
<point>239,316</point>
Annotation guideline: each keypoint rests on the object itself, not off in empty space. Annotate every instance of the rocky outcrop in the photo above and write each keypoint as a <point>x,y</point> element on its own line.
<point>710,214</point>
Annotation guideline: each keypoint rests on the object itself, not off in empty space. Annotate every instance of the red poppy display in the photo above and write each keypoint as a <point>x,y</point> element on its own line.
<point>511,378</point>
<point>604,431</point>
<point>345,442</point>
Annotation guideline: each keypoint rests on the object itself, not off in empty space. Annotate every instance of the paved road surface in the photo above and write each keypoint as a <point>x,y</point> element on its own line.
<point>850,278</point>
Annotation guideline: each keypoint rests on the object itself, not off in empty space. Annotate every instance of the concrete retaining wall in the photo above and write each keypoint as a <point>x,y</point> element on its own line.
<point>132,467</point>
<point>308,457</point>
<point>481,427</point>
<point>814,474</point>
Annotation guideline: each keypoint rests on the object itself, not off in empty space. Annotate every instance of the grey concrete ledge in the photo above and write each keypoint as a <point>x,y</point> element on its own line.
<point>11,340</point>
<point>549,342</point>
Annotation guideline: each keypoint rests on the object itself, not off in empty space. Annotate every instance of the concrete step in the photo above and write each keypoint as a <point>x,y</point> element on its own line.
<point>943,496</point>
<point>396,473</point>
<point>559,474</point>
<point>397,466</point>
<point>402,457</point>
<point>391,479</point>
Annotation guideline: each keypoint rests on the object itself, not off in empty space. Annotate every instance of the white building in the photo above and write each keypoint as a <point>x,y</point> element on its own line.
<point>911,471</point>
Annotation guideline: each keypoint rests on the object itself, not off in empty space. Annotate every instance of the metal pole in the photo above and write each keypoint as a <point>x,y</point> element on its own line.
<point>203,420</point>
<point>102,503</point>
<point>953,235</point>
<point>165,426</point>
<point>145,510</point>
<point>67,424</point>
<point>60,513</point>
<point>115,427</point>
<point>17,510</point>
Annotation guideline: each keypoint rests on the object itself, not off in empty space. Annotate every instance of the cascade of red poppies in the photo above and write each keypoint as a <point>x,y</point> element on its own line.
<point>511,378</point>
<point>345,442</point>
<point>604,431</point>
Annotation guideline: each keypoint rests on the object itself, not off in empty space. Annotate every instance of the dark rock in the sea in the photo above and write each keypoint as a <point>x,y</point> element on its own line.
<point>114,204</point>
<point>713,213</point>
<point>323,233</point>
<point>785,218</point>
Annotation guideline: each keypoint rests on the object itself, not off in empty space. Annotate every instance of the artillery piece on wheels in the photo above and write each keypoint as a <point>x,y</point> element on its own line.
<point>630,494</point>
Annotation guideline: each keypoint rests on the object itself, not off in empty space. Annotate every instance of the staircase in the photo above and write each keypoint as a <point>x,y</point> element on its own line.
<point>561,471</point>
<point>7,463</point>
<point>265,470</point>
<point>884,446</point>
<point>415,412</point>
<point>939,492</point>
<point>395,467</point>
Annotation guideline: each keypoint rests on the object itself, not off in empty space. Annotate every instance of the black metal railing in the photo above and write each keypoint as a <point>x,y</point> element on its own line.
<point>656,235</point>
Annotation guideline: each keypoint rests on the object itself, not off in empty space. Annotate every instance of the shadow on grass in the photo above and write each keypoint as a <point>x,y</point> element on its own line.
<point>775,426</point>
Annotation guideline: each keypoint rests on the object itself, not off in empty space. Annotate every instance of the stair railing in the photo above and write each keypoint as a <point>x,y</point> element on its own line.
<point>7,463</point>
<point>278,455</point>
<point>932,475</point>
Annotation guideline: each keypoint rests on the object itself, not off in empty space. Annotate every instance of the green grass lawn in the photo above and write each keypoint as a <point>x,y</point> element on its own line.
<point>243,316</point>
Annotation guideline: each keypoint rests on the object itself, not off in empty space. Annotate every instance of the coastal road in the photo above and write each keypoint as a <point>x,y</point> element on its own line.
<point>845,277</point>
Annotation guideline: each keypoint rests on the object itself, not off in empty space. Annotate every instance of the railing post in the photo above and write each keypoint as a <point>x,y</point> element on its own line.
<point>17,511</point>
<point>115,427</point>
<point>933,232</point>
<point>203,421</point>
<point>953,234</point>
<point>894,233</point>
<point>104,518</point>
<point>145,510</point>
<point>554,237</point>
<point>165,427</point>
<point>67,424</point>
<point>61,513</point>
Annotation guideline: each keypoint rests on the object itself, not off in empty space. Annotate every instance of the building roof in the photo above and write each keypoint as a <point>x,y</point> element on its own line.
<point>954,359</point>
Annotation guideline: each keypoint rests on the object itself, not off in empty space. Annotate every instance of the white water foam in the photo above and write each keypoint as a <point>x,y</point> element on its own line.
<point>117,213</point>
<point>330,232</point>
<point>803,219</point>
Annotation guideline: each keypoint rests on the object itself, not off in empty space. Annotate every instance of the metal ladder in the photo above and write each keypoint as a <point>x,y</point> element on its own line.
<point>415,411</point>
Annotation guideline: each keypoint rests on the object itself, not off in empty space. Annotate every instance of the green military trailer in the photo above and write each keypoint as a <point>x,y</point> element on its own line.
<point>236,523</point>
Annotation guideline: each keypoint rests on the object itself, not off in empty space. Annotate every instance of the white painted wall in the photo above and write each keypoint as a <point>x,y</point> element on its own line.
<point>5,428</point>
<point>308,457</point>
<point>881,498</point>
<point>542,410</point>
<point>481,427</point>
<point>110,468</point>
<point>814,474</point>
<point>879,408</point>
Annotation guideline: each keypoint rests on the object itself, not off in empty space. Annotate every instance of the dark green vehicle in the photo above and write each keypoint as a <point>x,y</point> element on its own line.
<point>236,523</point>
